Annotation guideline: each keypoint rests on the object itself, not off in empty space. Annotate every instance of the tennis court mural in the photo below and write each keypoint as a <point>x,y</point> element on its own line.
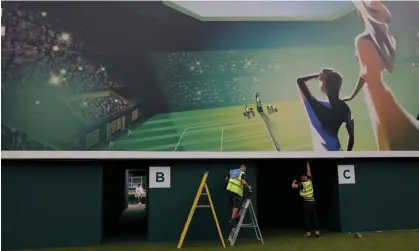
<point>184,84</point>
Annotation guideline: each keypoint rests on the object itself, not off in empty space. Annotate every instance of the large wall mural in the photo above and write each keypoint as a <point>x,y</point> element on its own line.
<point>74,78</point>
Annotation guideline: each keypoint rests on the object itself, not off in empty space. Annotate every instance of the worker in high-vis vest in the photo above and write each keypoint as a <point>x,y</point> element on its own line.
<point>305,186</point>
<point>236,181</point>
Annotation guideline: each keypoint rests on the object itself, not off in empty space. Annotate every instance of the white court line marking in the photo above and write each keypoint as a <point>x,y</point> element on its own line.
<point>225,123</point>
<point>180,139</point>
<point>222,138</point>
<point>256,120</point>
<point>215,128</point>
<point>250,137</point>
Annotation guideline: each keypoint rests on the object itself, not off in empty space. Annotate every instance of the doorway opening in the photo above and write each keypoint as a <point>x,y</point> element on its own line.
<point>125,212</point>
<point>279,206</point>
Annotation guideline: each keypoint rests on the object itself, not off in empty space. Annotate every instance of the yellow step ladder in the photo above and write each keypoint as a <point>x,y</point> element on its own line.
<point>195,206</point>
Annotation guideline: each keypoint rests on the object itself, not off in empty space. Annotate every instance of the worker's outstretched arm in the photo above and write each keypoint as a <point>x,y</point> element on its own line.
<point>308,169</point>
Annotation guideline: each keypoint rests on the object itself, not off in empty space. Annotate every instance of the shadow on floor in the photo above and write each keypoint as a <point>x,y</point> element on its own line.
<point>132,225</point>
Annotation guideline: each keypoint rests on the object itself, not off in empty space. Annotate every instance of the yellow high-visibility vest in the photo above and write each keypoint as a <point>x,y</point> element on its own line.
<point>235,182</point>
<point>307,192</point>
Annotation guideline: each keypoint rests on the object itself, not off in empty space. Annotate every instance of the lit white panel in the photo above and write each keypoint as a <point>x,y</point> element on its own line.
<point>253,10</point>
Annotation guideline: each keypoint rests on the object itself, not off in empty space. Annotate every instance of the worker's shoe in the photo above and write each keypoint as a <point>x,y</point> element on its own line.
<point>317,233</point>
<point>307,235</point>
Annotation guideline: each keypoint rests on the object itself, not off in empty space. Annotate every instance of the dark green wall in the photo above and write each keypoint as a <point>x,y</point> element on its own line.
<point>385,197</point>
<point>50,205</point>
<point>169,208</point>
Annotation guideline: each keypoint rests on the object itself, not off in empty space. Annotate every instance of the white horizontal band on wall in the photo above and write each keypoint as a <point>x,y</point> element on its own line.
<point>201,155</point>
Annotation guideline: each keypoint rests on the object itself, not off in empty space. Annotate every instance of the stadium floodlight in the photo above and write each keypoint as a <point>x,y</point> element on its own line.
<point>65,37</point>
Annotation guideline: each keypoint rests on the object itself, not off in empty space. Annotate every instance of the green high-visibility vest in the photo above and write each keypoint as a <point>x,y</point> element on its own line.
<point>235,182</point>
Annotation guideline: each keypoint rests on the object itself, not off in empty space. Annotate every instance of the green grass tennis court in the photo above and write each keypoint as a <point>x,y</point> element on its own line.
<point>392,241</point>
<point>226,129</point>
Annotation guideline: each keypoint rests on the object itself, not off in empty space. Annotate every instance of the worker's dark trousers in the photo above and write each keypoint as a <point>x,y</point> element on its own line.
<point>310,216</point>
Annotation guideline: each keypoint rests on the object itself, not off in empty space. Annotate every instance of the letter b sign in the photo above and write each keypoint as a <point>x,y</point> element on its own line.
<point>159,177</point>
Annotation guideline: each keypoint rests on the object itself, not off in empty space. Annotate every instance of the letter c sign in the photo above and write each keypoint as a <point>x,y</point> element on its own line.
<point>346,174</point>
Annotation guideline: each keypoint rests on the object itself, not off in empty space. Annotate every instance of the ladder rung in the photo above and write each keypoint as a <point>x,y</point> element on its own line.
<point>203,206</point>
<point>246,208</point>
<point>203,194</point>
